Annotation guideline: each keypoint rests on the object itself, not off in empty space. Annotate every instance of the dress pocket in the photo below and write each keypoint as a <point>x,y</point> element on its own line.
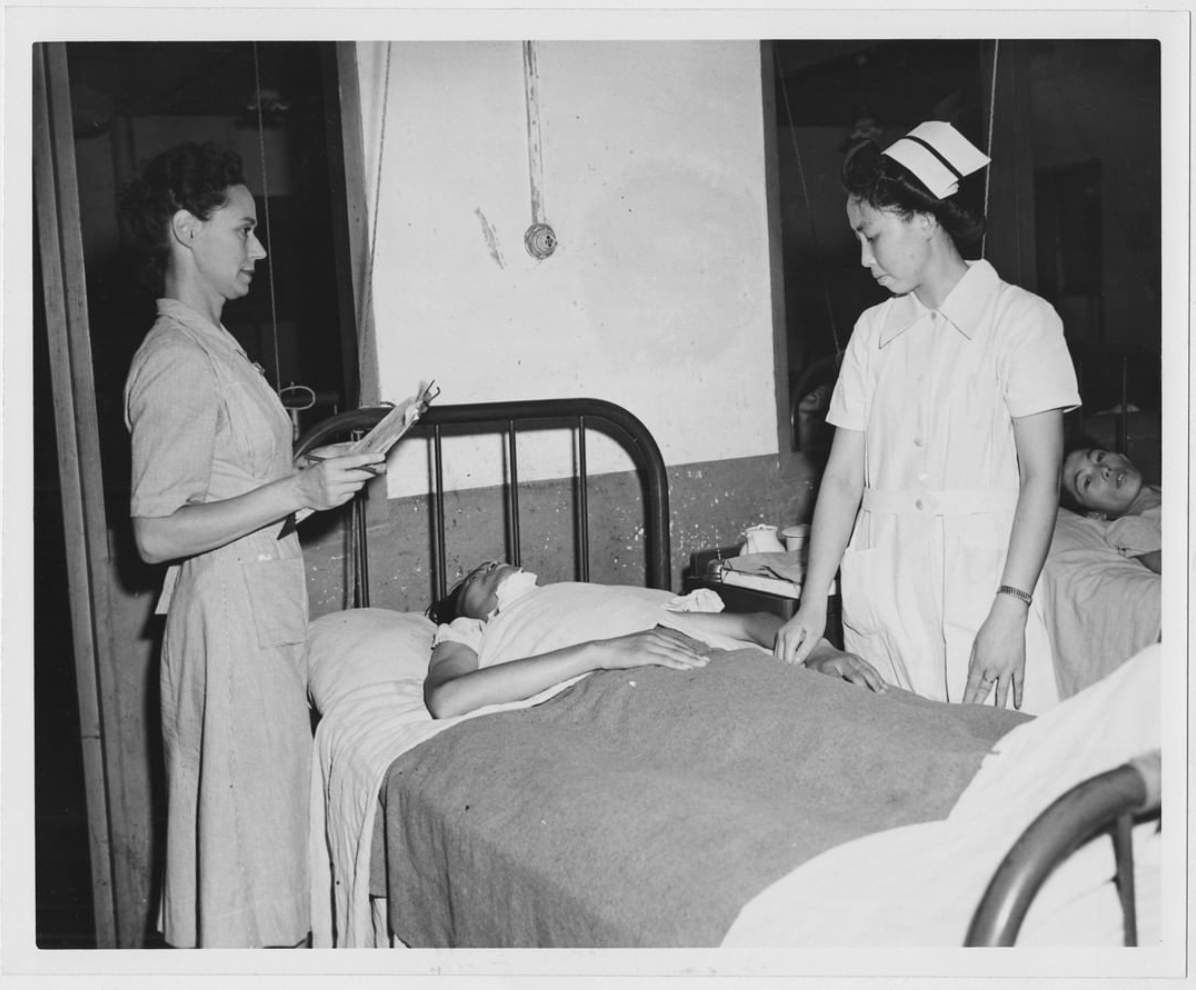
<point>857,574</point>
<point>277,592</point>
<point>973,574</point>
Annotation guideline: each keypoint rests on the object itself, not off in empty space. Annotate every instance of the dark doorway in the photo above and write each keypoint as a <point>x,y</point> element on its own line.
<point>277,105</point>
<point>1074,184</point>
<point>269,102</point>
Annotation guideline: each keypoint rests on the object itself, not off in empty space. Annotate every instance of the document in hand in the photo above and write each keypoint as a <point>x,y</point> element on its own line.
<point>381,438</point>
<point>398,421</point>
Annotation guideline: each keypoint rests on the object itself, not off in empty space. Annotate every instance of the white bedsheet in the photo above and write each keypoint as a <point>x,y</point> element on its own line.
<point>1101,607</point>
<point>917,886</point>
<point>371,727</point>
<point>355,744</point>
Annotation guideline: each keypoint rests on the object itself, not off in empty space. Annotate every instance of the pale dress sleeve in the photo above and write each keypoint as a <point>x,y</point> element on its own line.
<point>1040,375</point>
<point>849,401</point>
<point>171,409</point>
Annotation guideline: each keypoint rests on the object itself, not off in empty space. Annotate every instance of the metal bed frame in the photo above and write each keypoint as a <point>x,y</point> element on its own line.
<point>1108,803</point>
<point>509,419</point>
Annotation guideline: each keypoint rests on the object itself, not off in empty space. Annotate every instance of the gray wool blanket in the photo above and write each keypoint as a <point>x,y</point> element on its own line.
<point>646,807</point>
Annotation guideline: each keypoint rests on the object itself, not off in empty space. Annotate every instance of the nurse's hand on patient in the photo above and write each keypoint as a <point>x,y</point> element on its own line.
<point>827,660</point>
<point>330,481</point>
<point>802,633</point>
<point>654,647</point>
<point>998,660</point>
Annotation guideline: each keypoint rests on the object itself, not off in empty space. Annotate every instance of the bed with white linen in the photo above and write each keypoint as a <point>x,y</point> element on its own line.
<point>725,806</point>
<point>1100,607</point>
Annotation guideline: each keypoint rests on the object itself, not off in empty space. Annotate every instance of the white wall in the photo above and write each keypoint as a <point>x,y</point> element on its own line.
<point>657,297</point>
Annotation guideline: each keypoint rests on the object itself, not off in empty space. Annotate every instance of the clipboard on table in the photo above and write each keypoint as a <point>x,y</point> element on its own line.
<point>388,431</point>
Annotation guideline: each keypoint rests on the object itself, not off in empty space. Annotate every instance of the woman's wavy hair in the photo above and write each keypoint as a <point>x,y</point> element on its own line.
<point>190,176</point>
<point>870,176</point>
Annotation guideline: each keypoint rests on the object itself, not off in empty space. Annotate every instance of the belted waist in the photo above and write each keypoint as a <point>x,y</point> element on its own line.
<point>939,502</point>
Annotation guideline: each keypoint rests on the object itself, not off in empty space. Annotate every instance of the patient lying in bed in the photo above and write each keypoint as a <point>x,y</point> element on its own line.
<point>1106,486</point>
<point>583,628</point>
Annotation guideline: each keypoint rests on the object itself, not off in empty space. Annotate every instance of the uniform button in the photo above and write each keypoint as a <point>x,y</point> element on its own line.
<point>917,441</point>
<point>918,504</point>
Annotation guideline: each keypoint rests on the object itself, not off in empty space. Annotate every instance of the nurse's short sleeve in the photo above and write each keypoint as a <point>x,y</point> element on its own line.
<point>849,401</point>
<point>171,409</point>
<point>1040,375</point>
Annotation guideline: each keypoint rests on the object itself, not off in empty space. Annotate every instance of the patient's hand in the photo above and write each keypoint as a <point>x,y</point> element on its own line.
<point>660,647</point>
<point>827,660</point>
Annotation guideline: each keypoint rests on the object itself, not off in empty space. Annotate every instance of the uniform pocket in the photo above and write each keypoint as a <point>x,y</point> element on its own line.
<point>277,592</point>
<point>970,582</point>
<point>857,574</point>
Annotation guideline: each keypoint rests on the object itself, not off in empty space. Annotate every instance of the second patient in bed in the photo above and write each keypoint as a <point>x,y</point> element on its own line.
<point>1105,485</point>
<point>463,674</point>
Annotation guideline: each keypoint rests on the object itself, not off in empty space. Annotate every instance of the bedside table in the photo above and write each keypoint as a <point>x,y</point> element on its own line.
<point>740,599</point>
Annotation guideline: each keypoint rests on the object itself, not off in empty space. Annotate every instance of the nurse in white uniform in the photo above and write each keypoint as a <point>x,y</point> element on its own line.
<point>941,488</point>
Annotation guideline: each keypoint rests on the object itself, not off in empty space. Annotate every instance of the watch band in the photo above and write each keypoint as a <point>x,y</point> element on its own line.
<point>1017,593</point>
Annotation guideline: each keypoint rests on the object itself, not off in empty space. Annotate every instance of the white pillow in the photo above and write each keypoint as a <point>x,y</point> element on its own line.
<point>1076,532</point>
<point>362,647</point>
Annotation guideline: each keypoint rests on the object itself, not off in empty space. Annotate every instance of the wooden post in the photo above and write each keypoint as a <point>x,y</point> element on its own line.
<point>116,796</point>
<point>786,428</point>
<point>346,162</point>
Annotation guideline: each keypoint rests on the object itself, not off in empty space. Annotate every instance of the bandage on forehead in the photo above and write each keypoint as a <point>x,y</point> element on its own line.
<point>938,155</point>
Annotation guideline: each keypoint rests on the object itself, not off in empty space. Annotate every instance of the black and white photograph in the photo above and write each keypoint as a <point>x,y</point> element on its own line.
<point>676,487</point>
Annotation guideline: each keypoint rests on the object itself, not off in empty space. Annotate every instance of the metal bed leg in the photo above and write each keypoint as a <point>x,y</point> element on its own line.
<point>513,541</point>
<point>439,557</point>
<point>1123,850</point>
<point>359,544</point>
<point>583,509</point>
<point>360,552</point>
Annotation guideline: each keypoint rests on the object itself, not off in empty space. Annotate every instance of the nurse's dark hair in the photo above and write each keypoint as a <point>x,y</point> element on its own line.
<point>189,176</point>
<point>885,184</point>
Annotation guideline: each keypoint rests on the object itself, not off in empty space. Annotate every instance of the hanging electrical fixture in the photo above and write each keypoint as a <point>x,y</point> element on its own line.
<point>540,239</point>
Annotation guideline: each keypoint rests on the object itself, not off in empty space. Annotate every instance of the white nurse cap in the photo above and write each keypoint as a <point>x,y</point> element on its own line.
<point>938,155</point>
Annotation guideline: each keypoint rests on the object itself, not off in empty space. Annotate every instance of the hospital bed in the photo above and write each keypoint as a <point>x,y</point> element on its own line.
<point>1101,607</point>
<point>733,806</point>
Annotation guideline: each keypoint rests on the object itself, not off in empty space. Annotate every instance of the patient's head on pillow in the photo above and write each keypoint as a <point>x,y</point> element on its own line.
<point>480,594</point>
<point>1099,483</point>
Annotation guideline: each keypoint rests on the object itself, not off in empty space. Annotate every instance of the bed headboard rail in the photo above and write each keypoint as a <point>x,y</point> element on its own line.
<point>511,418</point>
<point>582,414</point>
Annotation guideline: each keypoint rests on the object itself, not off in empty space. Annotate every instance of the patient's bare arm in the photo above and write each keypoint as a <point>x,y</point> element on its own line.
<point>456,686</point>
<point>761,628</point>
<point>751,627</point>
